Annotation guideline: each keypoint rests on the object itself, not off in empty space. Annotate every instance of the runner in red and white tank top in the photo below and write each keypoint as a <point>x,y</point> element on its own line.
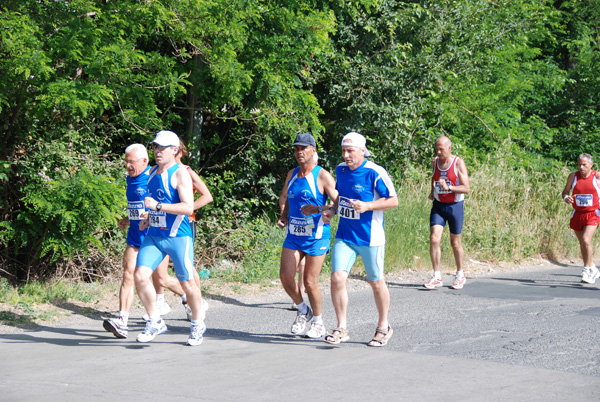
<point>585,199</point>
<point>586,192</point>
<point>449,184</point>
<point>446,196</point>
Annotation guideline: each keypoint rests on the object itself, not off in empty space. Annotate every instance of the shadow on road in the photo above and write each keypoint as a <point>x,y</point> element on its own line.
<point>73,337</point>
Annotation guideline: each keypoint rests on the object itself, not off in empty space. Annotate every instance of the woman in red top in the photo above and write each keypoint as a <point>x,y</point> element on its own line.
<point>585,198</point>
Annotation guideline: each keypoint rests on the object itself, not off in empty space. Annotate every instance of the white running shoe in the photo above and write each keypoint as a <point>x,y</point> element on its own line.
<point>117,326</point>
<point>299,325</point>
<point>433,283</point>
<point>459,282</point>
<point>162,307</point>
<point>316,331</point>
<point>592,275</point>
<point>196,334</point>
<point>585,275</point>
<point>151,330</point>
<point>203,309</point>
<point>188,310</point>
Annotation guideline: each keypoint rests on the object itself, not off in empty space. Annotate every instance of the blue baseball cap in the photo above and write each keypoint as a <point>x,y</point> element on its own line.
<point>305,139</point>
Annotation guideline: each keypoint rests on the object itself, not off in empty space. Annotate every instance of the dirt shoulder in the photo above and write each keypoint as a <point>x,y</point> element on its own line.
<point>70,313</point>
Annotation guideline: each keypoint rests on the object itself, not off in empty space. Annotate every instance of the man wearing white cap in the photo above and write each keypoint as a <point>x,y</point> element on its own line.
<point>170,202</point>
<point>365,191</point>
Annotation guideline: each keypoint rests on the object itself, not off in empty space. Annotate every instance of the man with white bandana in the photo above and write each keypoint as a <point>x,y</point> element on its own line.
<point>365,191</point>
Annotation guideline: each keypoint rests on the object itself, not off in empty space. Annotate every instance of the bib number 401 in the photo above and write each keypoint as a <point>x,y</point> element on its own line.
<point>348,213</point>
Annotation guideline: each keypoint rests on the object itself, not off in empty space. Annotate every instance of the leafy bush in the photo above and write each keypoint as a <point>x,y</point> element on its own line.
<point>67,202</point>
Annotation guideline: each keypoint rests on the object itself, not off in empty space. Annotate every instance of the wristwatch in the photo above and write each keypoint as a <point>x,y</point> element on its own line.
<point>158,206</point>
<point>320,209</point>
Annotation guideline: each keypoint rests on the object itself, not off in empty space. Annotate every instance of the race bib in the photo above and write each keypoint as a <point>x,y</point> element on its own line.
<point>347,211</point>
<point>158,219</point>
<point>584,200</point>
<point>301,227</point>
<point>440,190</point>
<point>135,209</point>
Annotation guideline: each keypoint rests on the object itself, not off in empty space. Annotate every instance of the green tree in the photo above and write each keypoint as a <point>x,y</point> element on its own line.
<point>406,72</point>
<point>88,78</point>
<point>576,115</point>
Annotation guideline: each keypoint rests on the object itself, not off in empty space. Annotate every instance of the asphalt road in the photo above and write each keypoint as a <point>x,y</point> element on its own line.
<point>517,336</point>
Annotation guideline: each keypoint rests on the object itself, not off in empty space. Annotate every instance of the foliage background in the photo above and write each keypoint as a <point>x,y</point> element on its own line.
<point>514,83</point>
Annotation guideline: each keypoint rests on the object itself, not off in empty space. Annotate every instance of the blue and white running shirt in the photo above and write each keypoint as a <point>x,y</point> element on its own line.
<point>302,191</point>
<point>162,223</point>
<point>368,182</point>
<point>137,191</point>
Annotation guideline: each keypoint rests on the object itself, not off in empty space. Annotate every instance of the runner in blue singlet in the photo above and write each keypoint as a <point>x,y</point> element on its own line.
<point>170,201</point>
<point>365,191</point>
<point>305,194</point>
<point>136,162</point>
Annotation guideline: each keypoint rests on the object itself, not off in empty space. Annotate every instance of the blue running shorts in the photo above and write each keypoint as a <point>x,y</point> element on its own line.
<point>344,256</point>
<point>181,250</point>
<point>135,236</point>
<point>312,247</point>
<point>453,213</point>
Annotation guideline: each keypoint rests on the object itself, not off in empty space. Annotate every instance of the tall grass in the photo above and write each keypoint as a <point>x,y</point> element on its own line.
<point>512,213</point>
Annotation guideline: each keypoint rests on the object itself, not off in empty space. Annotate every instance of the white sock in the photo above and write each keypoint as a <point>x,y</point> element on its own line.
<point>437,274</point>
<point>160,297</point>
<point>460,273</point>
<point>184,298</point>
<point>196,322</point>
<point>318,319</point>
<point>155,318</point>
<point>302,308</point>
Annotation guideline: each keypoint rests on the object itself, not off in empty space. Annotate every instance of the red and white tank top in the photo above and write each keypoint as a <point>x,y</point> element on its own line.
<point>452,179</point>
<point>586,193</point>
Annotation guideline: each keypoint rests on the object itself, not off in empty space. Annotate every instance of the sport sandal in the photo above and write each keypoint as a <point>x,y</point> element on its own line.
<point>337,336</point>
<point>386,335</point>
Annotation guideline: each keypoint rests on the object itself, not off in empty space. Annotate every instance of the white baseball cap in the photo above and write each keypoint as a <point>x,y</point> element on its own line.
<point>166,139</point>
<point>354,139</point>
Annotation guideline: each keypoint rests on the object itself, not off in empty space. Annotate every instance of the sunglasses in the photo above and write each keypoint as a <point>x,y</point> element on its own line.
<point>161,147</point>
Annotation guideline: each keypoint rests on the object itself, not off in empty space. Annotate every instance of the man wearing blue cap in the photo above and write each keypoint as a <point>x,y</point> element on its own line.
<point>304,197</point>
